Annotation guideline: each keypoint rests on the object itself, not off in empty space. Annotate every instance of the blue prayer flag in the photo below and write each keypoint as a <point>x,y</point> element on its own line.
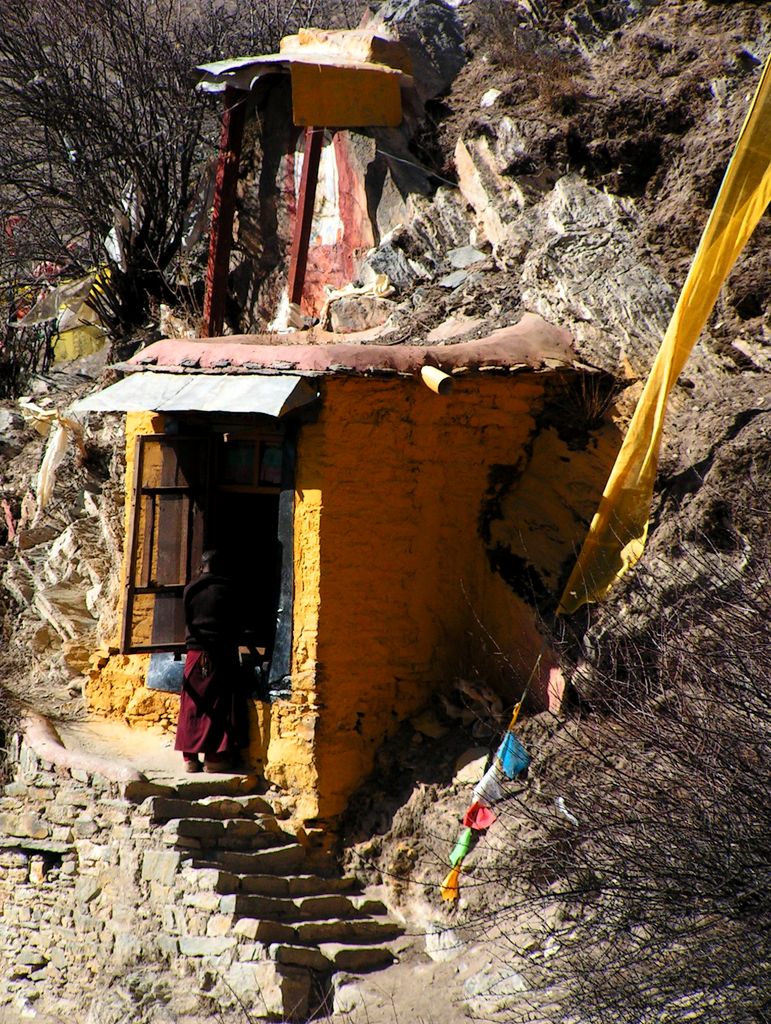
<point>512,756</point>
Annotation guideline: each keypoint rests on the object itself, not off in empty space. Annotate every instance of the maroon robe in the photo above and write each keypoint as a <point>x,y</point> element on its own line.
<point>212,709</point>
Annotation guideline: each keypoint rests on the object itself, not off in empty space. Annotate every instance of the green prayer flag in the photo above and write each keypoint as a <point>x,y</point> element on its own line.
<point>462,847</point>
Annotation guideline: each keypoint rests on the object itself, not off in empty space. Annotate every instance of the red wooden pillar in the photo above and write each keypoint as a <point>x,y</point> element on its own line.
<point>305,201</point>
<point>223,209</point>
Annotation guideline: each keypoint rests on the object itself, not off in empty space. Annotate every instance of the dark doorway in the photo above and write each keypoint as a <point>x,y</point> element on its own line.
<point>242,524</point>
<point>225,483</point>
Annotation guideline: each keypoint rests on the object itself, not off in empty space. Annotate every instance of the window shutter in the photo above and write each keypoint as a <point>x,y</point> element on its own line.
<point>165,539</point>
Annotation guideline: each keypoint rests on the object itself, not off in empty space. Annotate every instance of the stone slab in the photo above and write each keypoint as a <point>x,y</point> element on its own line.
<point>300,956</point>
<point>453,280</point>
<point>277,860</point>
<point>164,808</point>
<point>160,866</point>
<point>196,828</point>
<point>221,785</point>
<point>315,885</point>
<point>206,945</point>
<point>42,845</point>
<point>325,907</point>
<point>264,931</point>
<point>264,885</point>
<point>347,930</point>
<point>465,256</point>
<point>271,907</point>
<point>356,958</point>
<point>139,791</point>
<point>24,826</point>
<point>271,989</point>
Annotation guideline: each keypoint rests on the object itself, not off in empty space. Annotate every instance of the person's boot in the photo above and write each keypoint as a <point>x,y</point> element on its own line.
<point>192,764</point>
<point>215,765</point>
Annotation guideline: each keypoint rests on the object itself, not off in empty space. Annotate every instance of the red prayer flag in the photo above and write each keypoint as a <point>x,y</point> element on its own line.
<point>479,817</point>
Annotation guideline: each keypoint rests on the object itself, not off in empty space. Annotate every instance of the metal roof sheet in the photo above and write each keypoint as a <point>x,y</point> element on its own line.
<point>353,49</point>
<point>164,392</point>
<point>244,72</point>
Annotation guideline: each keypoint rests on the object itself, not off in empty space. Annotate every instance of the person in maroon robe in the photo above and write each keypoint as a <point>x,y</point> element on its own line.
<point>212,711</point>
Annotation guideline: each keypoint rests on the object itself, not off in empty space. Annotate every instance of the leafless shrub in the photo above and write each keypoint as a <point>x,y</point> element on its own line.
<point>101,140</point>
<point>104,140</point>
<point>654,886</point>
<point>9,723</point>
<point>21,353</point>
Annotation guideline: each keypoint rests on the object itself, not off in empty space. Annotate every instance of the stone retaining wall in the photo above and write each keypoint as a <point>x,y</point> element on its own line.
<point>74,895</point>
<point>91,892</point>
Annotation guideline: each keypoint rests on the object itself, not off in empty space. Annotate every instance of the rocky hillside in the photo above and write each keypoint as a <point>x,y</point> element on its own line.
<point>599,134</point>
<point>567,168</point>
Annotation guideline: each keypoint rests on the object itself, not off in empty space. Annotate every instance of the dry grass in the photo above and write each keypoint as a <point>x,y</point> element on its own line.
<point>553,77</point>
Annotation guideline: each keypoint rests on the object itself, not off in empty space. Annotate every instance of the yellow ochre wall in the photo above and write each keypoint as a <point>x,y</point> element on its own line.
<point>392,569</point>
<point>389,486</point>
<point>115,686</point>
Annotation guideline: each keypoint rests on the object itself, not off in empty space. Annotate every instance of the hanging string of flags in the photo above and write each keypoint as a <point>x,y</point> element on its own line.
<point>510,760</point>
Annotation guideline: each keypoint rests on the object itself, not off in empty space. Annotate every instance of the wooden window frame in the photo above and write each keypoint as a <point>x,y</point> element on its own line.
<point>147,496</point>
<point>279,680</point>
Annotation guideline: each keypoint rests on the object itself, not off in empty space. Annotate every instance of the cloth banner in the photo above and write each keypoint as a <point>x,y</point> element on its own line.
<point>619,528</point>
<point>479,817</point>
<point>512,758</point>
<point>461,848</point>
<point>489,789</point>
<point>450,889</point>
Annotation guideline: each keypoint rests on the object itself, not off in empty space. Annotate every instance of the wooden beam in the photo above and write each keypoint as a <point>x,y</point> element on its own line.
<point>304,219</point>
<point>223,209</point>
<point>132,537</point>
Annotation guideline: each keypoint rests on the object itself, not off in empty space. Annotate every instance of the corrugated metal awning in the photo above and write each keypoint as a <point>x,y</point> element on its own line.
<point>274,395</point>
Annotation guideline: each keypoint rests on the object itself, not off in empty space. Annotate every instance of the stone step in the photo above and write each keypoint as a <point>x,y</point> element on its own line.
<point>202,876</point>
<point>162,808</point>
<point>276,860</point>
<point>296,885</point>
<point>359,932</point>
<point>138,790</point>
<point>231,834</point>
<point>302,908</point>
<point>351,930</point>
<point>217,786</point>
<point>332,955</point>
<point>251,804</point>
<point>256,929</point>
<point>369,905</point>
<point>310,957</point>
<point>356,958</point>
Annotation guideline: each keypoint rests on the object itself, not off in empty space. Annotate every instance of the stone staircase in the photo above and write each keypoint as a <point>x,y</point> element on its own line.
<point>255,896</point>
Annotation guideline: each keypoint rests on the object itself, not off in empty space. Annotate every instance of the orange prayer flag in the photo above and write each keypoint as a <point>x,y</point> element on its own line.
<point>450,889</point>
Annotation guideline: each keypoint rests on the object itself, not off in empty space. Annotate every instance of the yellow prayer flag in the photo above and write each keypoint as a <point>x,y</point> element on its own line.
<point>450,889</point>
<point>618,530</point>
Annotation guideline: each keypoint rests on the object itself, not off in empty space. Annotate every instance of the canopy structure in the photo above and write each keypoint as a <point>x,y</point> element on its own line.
<point>340,79</point>
<point>344,79</point>
<point>274,395</point>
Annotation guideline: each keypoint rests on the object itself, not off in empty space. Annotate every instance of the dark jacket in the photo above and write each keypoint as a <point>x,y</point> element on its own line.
<point>211,614</point>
